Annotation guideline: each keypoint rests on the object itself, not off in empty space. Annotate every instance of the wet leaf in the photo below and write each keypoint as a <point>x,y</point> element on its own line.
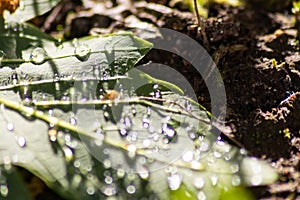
<point>80,117</point>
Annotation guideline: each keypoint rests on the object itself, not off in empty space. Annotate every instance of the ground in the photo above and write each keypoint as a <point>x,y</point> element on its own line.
<point>256,51</point>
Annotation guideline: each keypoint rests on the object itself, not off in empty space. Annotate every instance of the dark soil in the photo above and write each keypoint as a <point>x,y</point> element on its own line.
<point>256,51</point>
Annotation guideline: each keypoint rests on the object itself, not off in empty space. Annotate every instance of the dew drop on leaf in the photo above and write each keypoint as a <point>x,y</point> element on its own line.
<point>188,156</point>
<point>82,52</point>
<point>217,154</point>
<point>109,190</point>
<point>4,190</point>
<point>131,148</point>
<point>90,190</point>
<point>38,55</point>
<point>234,168</point>
<point>123,132</point>
<point>201,196</point>
<point>199,182</point>
<point>127,122</point>
<point>10,126</point>
<point>73,121</point>
<point>146,122</point>
<point>52,133</point>
<point>131,189</point>
<point>104,76</point>
<point>133,110</point>
<point>120,173</point>
<point>21,141</point>
<point>146,143</point>
<point>188,105</point>
<point>14,78</point>
<point>107,163</point>
<point>256,180</point>
<point>143,173</point>
<point>106,115</point>
<point>235,180</point>
<point>68,154</point>
<point>77,164</point>
<point>204,146</point>
<point>174,181</point>
<point>108,180</point>
<point>76,180</point>
<point>214,179</point>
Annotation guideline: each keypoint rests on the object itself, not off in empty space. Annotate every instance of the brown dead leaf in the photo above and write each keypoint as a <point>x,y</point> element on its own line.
<point>10,5</point>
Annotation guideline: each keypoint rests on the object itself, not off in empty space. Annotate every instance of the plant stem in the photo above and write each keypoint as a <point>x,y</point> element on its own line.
<point>201,26</point>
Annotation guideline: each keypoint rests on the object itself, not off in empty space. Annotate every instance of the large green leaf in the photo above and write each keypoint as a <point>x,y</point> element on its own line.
<point>29,9</point>
<point>80,117</point>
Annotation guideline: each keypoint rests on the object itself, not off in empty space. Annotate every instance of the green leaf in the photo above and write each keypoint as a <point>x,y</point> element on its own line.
<point>80,117</point>
<point>29,9</point>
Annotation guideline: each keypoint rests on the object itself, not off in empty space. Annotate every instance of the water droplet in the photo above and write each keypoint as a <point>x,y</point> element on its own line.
<point>90,190</point>
<point>133,110</point>
<point>10,126</point>
<point>214,179</point>
<point>146,122</point>
<point>155,86</point>
<point>174,181</point>
<point>146,142</point>
<point>68,154</point>
<point>188,105</point>
<point>131,189</point>
<point>7,163</point>
<point>143,172</point>
<point>199,182</point>
<point>21,141</point>
<point>197,165</point>
<point>123,131</point>
<point>121,173</point>
<point>14,77</point>
<point>76,180</point>
<point>104,76</point>
<point>256,180</point>
<point>107,163</point>
<point>127,121</point>
<point>236,180</point>
<point>188,156</point>
<point>234,168</point>
<point>77,164</point>
<point>73,121</point>
<point>109,190</point>
<point>201,195</point>
<point>38,55</point>
<point>4,190</point>
<point>131,150</point>
<point>82,52</point>
<point>204,146</point>
<point>108,180</point>
<point>106,115</point>
<point>52,133</point>
<point>88,167</point>
<point>217,154</point>
<point>192,135</point>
